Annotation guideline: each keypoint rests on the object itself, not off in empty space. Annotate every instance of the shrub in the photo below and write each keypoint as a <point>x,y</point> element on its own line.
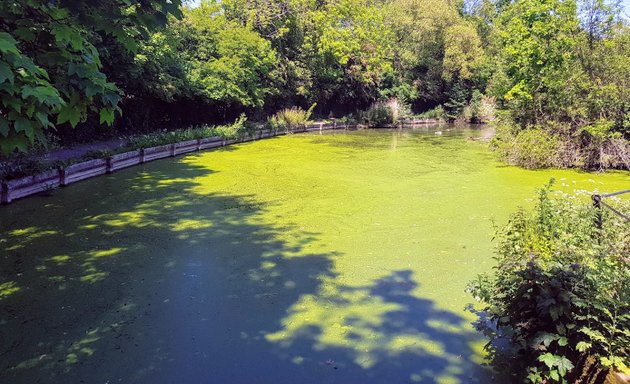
<point>435,113</point>
<point>560,294</point>
<point>21,165</point>
<point>454,106</point>
<point>382,114</point>
<point>534,148</point>
<point>476,107</point>
<point>99,154</point>
<point>556,144</point>
<point>378,115</point>
<point>531,148</point>
<point>481,109</point>
<point>289,118</point>
<point>235,130</point>
<point>400,110</point>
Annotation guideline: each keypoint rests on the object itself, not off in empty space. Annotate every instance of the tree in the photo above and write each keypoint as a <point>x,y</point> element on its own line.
<point>228,63</point>
<point>436,50</point>
<point>602,52</point>
<point>537,41</point>
<point>463,54</point>
<point>283,24</point>
<point>349,44</point>
<point>50,68</point>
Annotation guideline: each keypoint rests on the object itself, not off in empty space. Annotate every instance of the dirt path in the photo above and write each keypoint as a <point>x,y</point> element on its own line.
<point>81,150</point>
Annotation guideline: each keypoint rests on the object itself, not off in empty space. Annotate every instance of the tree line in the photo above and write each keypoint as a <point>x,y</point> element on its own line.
<point>124,66</point>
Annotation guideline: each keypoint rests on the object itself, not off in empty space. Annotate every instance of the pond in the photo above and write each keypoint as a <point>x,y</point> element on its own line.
<point>308,258</point>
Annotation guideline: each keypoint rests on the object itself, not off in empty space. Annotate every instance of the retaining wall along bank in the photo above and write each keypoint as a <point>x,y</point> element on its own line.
<point>30,185</point>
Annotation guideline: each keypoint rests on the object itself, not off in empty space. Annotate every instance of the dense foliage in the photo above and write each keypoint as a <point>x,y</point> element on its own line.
<point>554,66</point>
<point>560,293</point>
<point>50,68</point>
<point>564,70</point>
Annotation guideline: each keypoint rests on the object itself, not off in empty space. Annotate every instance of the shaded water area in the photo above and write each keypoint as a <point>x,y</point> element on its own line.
<point>334,258</point>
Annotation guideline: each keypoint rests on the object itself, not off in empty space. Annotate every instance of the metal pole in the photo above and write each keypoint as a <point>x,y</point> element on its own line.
<point>597,199</point>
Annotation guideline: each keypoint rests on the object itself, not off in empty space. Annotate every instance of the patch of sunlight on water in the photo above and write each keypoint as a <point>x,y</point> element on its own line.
<point>307,258</point>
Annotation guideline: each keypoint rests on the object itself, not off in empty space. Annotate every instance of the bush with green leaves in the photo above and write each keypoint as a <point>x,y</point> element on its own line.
<point>20,165</point>
<point>435,113</point>
<point>534,148</point>
<point>557,145</point>
<point>289,118</point>
<point>558,304</point>
<point>231,131</point>
<point>235,130</point>
<point>378,115</point>
<point>476,105</point>
<point>456,103</point>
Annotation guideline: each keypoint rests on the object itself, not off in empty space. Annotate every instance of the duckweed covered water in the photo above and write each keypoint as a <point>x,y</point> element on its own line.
<point>335,258</point>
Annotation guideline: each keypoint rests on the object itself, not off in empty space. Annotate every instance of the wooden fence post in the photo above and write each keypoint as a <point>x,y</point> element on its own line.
<point>4,193</point>
<point>62,177</point>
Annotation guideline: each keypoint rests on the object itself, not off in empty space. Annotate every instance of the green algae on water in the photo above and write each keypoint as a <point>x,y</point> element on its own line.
<point>308,258</point>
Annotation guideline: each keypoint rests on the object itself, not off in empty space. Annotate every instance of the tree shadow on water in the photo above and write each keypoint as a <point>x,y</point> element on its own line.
<point>384,333</point>
<point>138,277</point>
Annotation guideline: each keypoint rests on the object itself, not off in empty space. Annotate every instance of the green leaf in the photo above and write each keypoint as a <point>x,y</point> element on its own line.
<point>24,125</point>
<point>69,113</point>
<point>6,73</point>
<point>25,34</point>
<point>555,312</point>
<point>534,377</point>
<point>545,339</point>
<point>560,362</point>
<point>582,346</point>
<point>13,102</point>
<point>8,43</point>
<point>43,119</point>
<point>30,67</point>
<point>111,99</point>
<point>107,116</point>
<point>59,13</point>
<point>66,35</point>
<point>12,143</point>
<point>548,358</point>
<point>4,127</point>
<point>562,341</point>
<point>564,365</point>
<point>92,89</point>
<point>42,93</point>
<point>30,109</point>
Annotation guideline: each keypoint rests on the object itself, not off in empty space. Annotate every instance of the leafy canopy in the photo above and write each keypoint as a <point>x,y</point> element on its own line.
<point>50,67</point>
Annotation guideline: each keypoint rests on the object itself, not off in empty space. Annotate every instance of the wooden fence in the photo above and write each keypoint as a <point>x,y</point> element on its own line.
<point>26,186</point>
<point>30,185</point>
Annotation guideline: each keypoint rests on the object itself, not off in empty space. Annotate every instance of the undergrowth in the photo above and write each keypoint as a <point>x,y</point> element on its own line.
<point>557,307</point>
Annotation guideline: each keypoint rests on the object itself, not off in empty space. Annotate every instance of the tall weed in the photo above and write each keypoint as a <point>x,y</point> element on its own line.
<point>290,118</point>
